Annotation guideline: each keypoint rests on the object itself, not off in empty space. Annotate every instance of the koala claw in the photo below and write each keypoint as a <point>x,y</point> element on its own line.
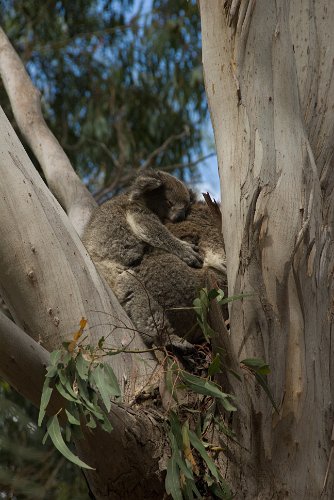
<point>191,256</point>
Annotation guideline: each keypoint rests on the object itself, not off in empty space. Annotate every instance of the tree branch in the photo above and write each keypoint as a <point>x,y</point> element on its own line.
<point>25,101</point>
<point>52,283</point>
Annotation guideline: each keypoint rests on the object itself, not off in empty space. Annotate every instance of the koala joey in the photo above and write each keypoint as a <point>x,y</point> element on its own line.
<point>158,293</point>
<point>124,229</point>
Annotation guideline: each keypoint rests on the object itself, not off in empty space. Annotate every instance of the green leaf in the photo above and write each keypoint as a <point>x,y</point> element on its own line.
<point>115,389</point>
<point>68,432</point>
<point>51,371</point>
<point>221,491</point>
<point>103,386</point>
<point>213,293</point>
<point>257,364</point>
<point>176,428</point>
<point>91,422</point>
<point>220,296</point>
<point>55,357</point>
<point>58,441</point>
<point>264,384</point>
<point>45,398</point>
<point>71,418</point>
<point>82,366</point>
<point>235,297</point>
<point>214,366</point>
<point>207,388</point>
<point>66,358</point>
<point>85,398</point>
<point>198,444</point>
<point>65,379</point>
<point>65,394</point>
<point>106,425</point>
<point>172,481</point>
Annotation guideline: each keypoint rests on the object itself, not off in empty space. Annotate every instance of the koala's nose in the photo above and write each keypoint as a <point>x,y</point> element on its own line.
<point>179,214</point>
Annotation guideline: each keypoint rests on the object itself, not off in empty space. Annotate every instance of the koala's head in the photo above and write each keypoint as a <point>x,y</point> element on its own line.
<point>163,194</point>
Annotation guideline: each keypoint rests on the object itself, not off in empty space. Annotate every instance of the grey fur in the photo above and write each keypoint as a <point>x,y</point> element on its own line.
<point>144,246</point>
<point>123,229</point>
<point>150,291</point>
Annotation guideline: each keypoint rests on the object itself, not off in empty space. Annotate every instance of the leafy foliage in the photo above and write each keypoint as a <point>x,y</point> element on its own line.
<point>189,451</point>
<point>81,379</point>
<point>28,469</point>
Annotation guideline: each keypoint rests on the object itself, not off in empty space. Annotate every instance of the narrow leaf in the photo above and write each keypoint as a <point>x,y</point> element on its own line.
<point>65,394</point>
<point>214,366</point>
<point>115,389</point>
<point>45,398</point>
<point>264,384</point>
<point>55,357</point>
<point>172,481</point>
<point>235,297</point>
<point>82,366</point>
<point>176,429</point>
<point>102,385</point>
<point>198,444</point>
<point>59,443</point>
<point>71,418</point>
<point>207,388</point>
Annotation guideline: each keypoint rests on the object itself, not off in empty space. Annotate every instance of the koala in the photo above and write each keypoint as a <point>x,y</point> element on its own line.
<point>123,230</point>
<point>158,293</point>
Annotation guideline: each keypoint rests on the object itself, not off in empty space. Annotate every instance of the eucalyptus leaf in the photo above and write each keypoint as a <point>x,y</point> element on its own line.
<point>176,428</point>
<point>65,394</point>
<point>91,422</point>
<point>214,366</point>
<point>82,366</point>
<point>65,379</point>
<point>207,388</point>
<point>172,481</point>
<point>51,371</point>
<point>55,357</point>
<point>45,398</point>
<point>71,418</point>
<point>102,385</point>
<point>115,389</point>
<point>58,441</point>
<point>256,364</point>
<point>198,444</point>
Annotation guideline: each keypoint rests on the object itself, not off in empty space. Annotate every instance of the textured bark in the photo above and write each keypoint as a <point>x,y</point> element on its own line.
<point>118,473</point>
<point>26,106</point>
<point>269,80</point>
<point>49,282</point>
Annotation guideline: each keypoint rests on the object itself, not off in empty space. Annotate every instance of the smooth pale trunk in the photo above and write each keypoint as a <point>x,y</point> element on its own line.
<point>269,81</point>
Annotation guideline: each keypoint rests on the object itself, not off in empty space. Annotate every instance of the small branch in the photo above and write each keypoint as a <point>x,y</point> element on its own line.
<point>26,106</point>
<point>123,180</point>
<point>23,362</point>
<point>163,147</point>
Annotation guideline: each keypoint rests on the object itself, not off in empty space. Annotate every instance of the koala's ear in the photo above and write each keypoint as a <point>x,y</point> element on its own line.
<point>145,182</point>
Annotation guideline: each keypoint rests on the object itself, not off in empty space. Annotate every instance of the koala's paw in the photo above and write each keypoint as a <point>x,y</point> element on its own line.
<point>190,255</point>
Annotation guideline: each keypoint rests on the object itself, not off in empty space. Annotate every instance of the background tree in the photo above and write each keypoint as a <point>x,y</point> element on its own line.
<point>121,82</point>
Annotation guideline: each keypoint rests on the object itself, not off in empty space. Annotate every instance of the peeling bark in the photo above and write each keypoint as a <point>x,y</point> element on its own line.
<point>269,80</point>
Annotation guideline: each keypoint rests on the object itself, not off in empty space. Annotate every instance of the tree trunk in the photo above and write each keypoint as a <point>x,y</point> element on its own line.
<point>269,79</point>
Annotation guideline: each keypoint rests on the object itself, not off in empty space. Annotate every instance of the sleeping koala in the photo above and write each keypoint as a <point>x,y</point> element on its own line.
<point>125,228</point>
<point>158,293</point>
